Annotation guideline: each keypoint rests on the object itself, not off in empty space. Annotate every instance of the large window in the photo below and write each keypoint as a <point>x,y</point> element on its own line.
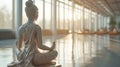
<point>39,4</point>
<point>83,18</point>
<point>61,15</point>
<point>64,14</point>
<point>48,14</point>
<point>6,15</point>
<point>24,17</point>
<point>57,15</point>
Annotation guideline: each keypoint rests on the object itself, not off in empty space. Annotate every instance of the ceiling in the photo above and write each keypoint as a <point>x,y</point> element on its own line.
<point>104,7</point>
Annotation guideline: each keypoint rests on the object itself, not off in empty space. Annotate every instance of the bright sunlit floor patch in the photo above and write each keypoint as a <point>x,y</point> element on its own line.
<point>5,56</point>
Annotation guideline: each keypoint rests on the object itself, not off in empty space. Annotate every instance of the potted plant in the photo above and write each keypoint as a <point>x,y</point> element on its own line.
<point>112,23</point>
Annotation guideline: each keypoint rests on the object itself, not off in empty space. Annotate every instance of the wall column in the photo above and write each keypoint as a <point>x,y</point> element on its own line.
<point>13,15</point>
<point>97,22</point>
<point>43,14</point>
<point>54,19</point>
<point>18,15</point>
<point>83,19</point>
<point>73,6</point>
<point>18,20</point>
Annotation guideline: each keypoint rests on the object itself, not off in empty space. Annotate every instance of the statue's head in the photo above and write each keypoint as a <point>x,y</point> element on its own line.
<point>31,10</point>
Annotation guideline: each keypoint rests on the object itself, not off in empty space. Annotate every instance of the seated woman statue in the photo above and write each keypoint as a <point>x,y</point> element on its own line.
<point>30,34</point>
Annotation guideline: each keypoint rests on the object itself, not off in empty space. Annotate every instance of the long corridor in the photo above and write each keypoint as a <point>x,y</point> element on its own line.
<point>86,32</point>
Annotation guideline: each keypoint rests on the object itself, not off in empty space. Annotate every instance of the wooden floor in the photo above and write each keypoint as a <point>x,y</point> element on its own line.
<point>76,50</point>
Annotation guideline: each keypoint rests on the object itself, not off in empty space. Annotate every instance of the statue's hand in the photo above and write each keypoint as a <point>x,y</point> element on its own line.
<point>19,49</point>
<point>53,46</point>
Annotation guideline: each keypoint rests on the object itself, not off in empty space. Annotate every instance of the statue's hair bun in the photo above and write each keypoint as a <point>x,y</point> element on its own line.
<point>29,3</point>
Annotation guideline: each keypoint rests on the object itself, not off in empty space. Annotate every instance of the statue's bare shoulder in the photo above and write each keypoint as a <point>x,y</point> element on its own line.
<point>37,27</point>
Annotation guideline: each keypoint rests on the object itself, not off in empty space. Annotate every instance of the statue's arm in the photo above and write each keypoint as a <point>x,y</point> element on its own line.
<point>39,41</point>
<point>19,41</point>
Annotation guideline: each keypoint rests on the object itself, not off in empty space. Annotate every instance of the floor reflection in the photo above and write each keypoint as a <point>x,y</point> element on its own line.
<point>77,51</point>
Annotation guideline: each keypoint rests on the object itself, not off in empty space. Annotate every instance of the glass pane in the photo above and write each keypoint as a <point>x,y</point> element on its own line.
<point>48,1</point>
<point>70,18</point>
<point>48,16</point>
<point>61,0</point>
<point>6,14</point>
<point>24,17</point>
<point>39,4</point>
<point>66,1</point>
<point>61,16</point>
<point>66,17</point>
<point>58,19</point>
